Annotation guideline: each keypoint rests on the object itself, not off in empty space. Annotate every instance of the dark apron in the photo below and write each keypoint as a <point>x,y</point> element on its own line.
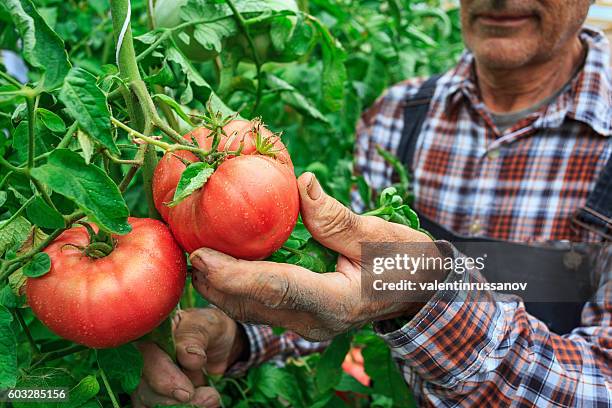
<point>560,277</point>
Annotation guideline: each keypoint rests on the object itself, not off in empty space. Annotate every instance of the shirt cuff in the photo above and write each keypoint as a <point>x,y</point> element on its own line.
<point>449,339</point>
<point>256,337</point>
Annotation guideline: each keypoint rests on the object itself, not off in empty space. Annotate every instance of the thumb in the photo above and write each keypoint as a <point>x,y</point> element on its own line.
<point>331,223</point>
<point>191,338</point>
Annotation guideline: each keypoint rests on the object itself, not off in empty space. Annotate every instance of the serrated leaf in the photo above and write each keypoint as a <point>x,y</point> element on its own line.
<point>39,265</point>
<point>42,215</point>
<point>273,382</point>
<point>386,377</point>
<point>85,390</point>
<point>292,97</point>
<point>193,76</point>
<point>16,282</point>
<point>13,233</point>
<point>88,186</point>
<point>87,145</point>
<point>53,122</point>
<point>175,107</point>
<point>42,47</point>
<point>334,72</point>
<point>45,377</point>
<point>192,179</point>
<point>8,350</point>
<point>123,364</point>
<point>329,368</point>
<point>86,103</point>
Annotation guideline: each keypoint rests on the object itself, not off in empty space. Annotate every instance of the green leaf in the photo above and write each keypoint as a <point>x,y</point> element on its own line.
<point>85,390</point>
<point>334,72</point>
<point>8,298</point>
<point>8,351</point>
<point>273,382</point>
<point>38,266</point>
<point>123,364</point>
<point>175,107</point>
<point>294,98</point>
<point>42,215</point>
<point>86,103</point>
<point>13,233</point>
<point>386,377</point>
<point>192,179</point>
<point>44,139</point>
<point>329,369</point>
<point>53,122</point>
<point>42,47</point>
<point>3,197</point>
<point>193,76</point>
<point>87,145</point>
<point>348,383</point>
<point>45,377</point>
<point>88,186</point>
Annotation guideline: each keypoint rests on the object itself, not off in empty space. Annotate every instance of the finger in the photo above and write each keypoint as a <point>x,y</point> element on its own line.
<point>331,223</point>
<point>338,228</point>
<point>307,324</point>
<point>197,377</point>
<point>273,285</point>
<point>145,397</point>
<point>206,397</point>
<point>192,338</point>
<point>163,376</point>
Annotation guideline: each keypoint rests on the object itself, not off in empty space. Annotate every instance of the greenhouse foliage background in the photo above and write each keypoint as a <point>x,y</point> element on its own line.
<point>346,53</point>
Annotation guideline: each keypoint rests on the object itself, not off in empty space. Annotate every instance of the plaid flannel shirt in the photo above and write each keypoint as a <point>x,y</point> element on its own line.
<point>522,185</point>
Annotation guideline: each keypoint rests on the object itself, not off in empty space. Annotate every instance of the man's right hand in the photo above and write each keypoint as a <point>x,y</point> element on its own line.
<point>207,341</point>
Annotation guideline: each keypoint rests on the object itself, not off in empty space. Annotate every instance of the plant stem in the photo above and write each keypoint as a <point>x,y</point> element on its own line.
<point>148,168</point>
<point>41,190</point>
<point>57,354</point>
<point>17,213</point>
<point>109,390</point>
<point>31,135</point>
<point>6,177</point>
<point>245,29</point>
<point>150,140</point>
<point>121,161</point>
<point>26,330</point>
<point>11,167</point>
<point>10,79</point>
<point>127,57</point>
<point>70,219</point>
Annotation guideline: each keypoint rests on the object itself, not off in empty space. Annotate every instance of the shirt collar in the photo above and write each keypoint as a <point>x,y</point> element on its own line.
<point>588,99</point>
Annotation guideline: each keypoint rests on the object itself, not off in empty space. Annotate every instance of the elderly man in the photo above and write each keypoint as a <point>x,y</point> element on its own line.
<point>513,145</point>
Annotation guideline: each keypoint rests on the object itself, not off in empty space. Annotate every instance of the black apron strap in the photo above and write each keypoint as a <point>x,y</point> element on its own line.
<point>596,215</point>
<point>415,112</point>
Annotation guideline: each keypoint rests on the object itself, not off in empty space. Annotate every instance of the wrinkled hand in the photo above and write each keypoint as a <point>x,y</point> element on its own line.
<point>207,340</point>
<point>316,306</point>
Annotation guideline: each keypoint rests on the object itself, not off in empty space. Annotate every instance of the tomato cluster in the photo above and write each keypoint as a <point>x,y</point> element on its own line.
<point>247,208</point>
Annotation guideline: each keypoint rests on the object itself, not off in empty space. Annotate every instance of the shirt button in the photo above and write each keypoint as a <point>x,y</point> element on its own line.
<point>493,154</point>
<point>476,227</point>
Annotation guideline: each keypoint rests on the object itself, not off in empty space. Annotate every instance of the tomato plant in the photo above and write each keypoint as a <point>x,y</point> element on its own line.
<point>94,93</point>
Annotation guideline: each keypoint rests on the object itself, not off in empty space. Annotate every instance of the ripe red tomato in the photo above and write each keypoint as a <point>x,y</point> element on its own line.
<point>109,301</point>
<point>246,209</point>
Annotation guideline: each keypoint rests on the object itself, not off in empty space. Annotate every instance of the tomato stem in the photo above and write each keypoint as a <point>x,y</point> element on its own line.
<point>109,390</point>
<point>26,330</point>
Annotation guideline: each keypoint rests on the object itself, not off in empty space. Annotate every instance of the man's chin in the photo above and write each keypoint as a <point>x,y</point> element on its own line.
<point>504,53</point>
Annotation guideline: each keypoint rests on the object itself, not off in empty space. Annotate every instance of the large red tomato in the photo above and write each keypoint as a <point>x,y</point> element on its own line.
<point>109,301</point>
<point>246,209</point>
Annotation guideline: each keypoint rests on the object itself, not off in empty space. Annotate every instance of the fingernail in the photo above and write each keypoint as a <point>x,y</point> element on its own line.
<point>314,188</point>
<point>181,395</point>
<point>195,350</point>
<point>200,266</point>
